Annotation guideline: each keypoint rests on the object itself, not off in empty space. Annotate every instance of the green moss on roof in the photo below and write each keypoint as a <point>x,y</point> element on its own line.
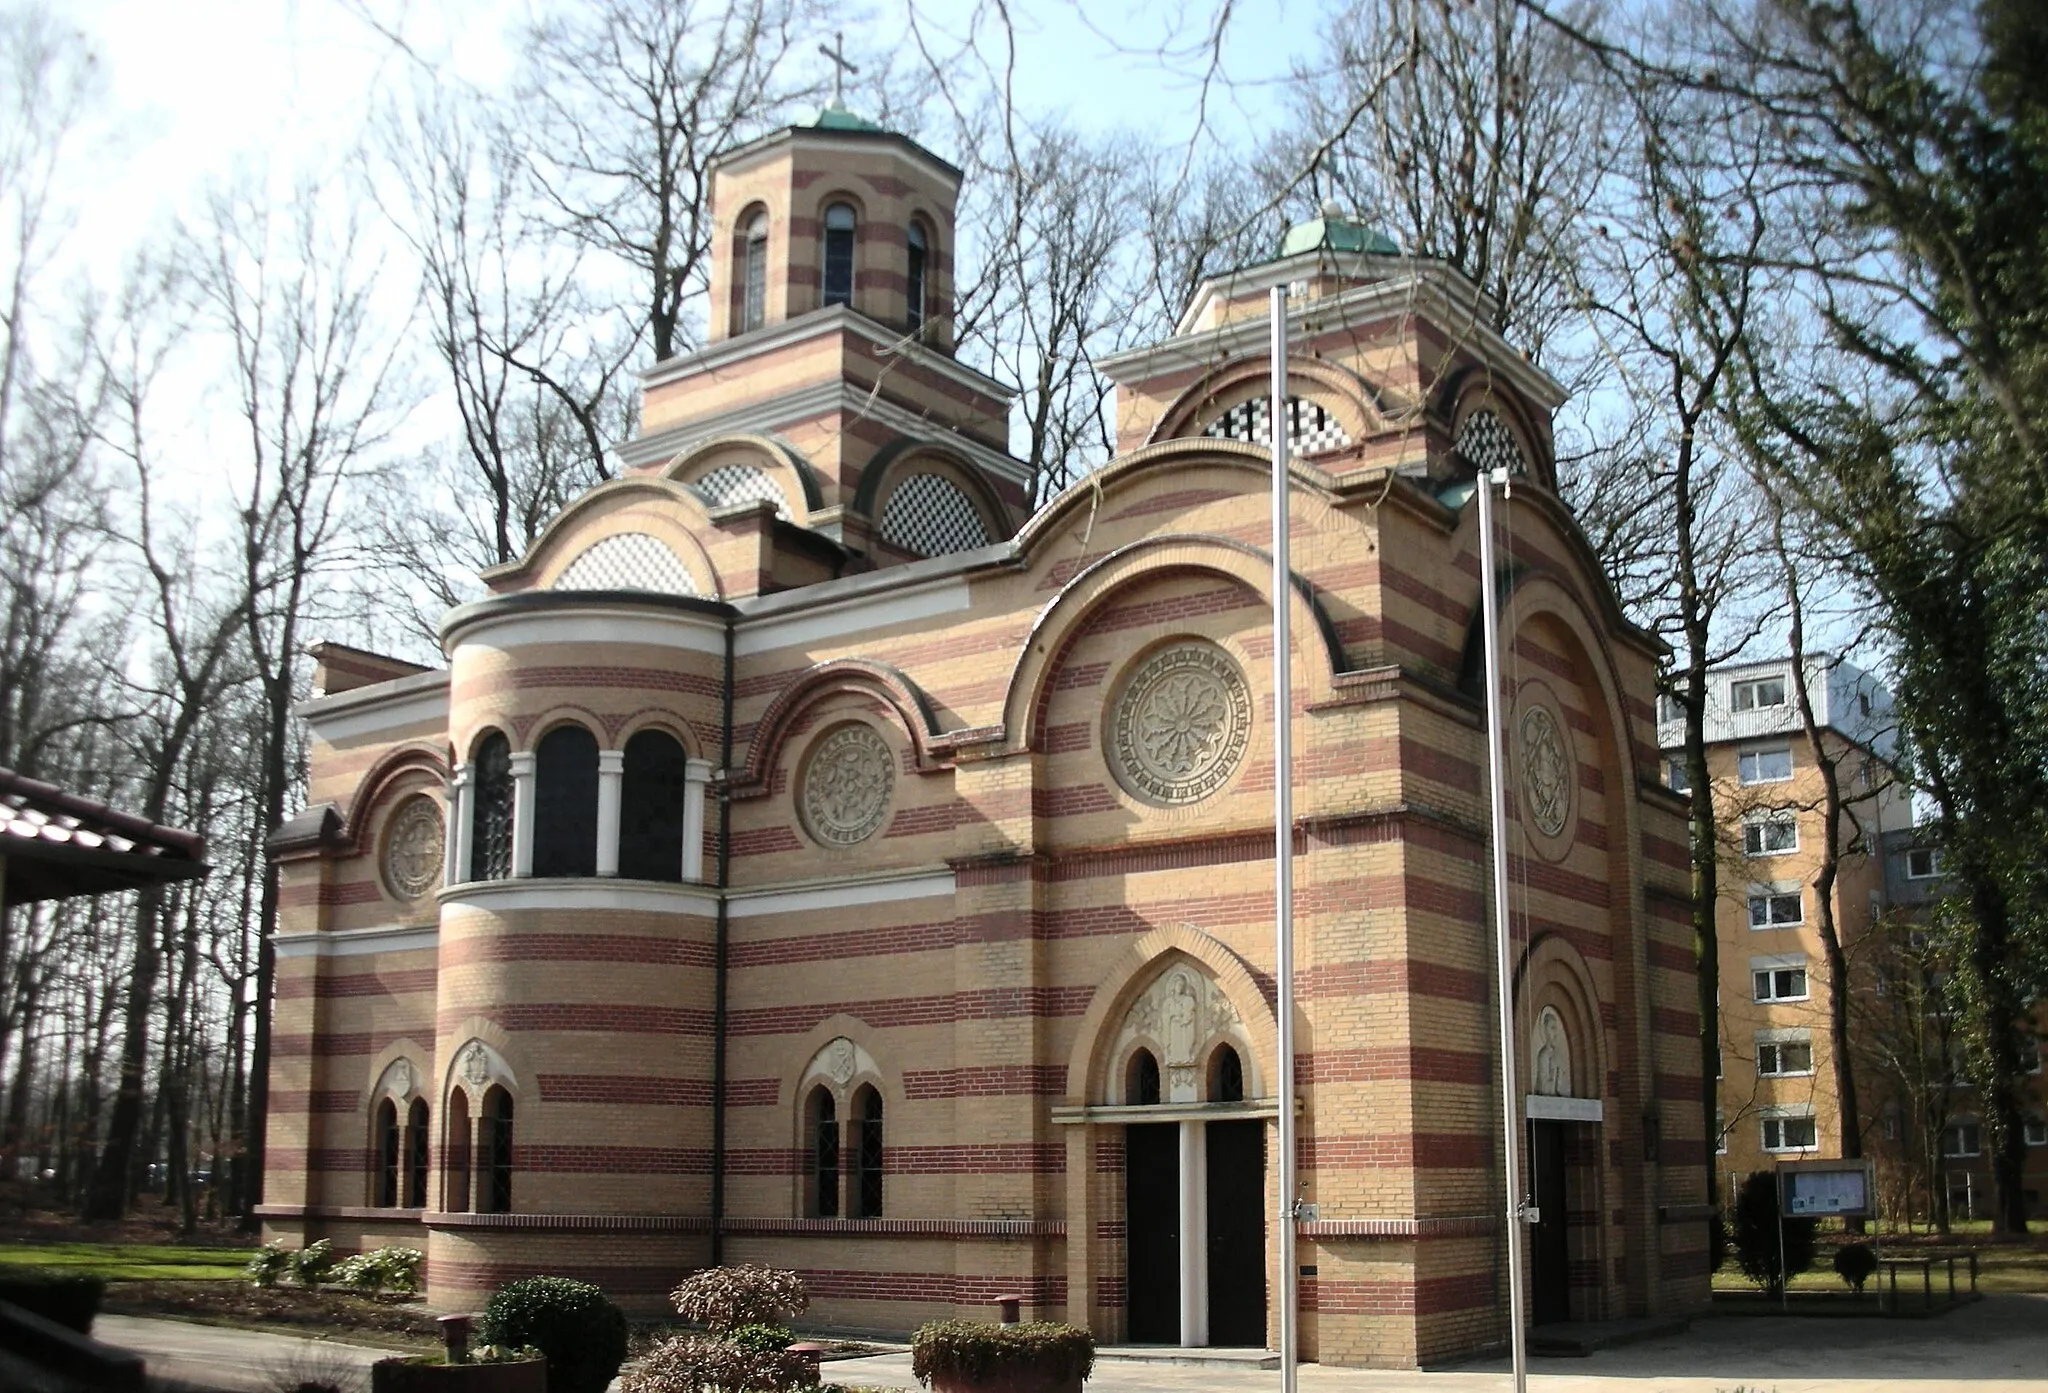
<point>1338,234</point>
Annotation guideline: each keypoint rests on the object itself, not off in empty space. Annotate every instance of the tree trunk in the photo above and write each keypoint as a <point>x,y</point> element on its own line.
<point>113,1177</point>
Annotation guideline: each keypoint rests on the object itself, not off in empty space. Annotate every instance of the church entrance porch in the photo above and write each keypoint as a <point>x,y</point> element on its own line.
<point>1194,1206</point>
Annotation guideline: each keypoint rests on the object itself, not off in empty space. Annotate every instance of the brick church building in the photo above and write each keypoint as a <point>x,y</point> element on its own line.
<point>810,856</point>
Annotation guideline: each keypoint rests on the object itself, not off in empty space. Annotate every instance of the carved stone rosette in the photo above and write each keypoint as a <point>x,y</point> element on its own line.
<point>846,784</point>
<point>413,848</point>
<point>1179,727</point>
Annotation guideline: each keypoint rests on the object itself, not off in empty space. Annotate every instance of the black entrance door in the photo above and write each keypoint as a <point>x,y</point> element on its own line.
<point>1152,1232</point>
<point>1237,1233</point>
<point>1550,1263</point>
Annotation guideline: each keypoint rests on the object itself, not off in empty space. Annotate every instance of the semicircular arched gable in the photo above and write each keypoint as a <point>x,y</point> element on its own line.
<point>1475,388</point>
<point>815,684</point>
<point>391,768</point>
<point>1553,972</point>
<point>1346,396</point>
<point>901,459</point>
<point>782,462</point>
<point>657,508</point>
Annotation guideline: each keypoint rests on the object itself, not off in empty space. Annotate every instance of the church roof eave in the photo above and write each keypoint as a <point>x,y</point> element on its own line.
<point>812,324</point>
<point>827,136</point>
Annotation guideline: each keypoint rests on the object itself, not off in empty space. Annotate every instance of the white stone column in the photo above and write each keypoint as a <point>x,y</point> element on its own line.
<point>461,828</point>
<point>522,813</point>
<point>1194,1234</point>
<point>696,776</point>
<point>611,776</point>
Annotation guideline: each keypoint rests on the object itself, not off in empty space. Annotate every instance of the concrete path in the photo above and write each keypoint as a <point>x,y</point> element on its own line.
<point>222,1359</point>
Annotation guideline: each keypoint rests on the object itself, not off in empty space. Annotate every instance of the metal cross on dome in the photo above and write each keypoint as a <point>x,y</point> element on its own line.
<point>841,67</point>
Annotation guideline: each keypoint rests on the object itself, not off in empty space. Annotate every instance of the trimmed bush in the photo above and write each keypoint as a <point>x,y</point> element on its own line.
<point>271,1262</point>
<point>1756,1235</point>
<point>70,1301</point>
<point>1854,1262</point>
<point>312,1264</point>
<point>573,1323</point>
<point>722,1299</point>
<point>382,1269</point>
<point>959,1351</point>
<point>721,1364</point>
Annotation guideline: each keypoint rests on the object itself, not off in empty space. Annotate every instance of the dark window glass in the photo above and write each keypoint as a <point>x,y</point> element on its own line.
<point>651,808</point>
<point>387,1154</point>
<point>494,1175</point>
<point>755,310</point>
<point>565,803</point>
<point>824,1155</point>
<point>455,1156</point>
<point>839,255</point>
<point>1141,1083</point>
<point>1226,1084</point>
<point>868,1118</point>
<point>416,1153</point>
<point>491,820</point>
<point>914,283</point>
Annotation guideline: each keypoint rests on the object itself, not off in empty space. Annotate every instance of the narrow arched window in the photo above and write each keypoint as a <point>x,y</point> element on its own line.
<point>565,803</point>
<point>387,1154</point>
<point>754,274</point>
<point>491,819</point>
<point>651,808</point>
<point>839,221</point>
<point>455,1155</point>
<point>824,1150</point>
<point>416,1155</point>
<point>1141,1078</point>
<point>494,1168</point>
<point>913,286</point>
<point>867,1120</point>
<point>1226,1076</point>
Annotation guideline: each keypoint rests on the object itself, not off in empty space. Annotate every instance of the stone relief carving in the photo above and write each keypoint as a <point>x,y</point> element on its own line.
<point>846,785</point>
<point>839,1060</point>
<point>1553,1072</point>
<point>1548,770</point>
<point>413,849</point>
<point>1181,1015</point>
<point>474,1064</point>
<point>398,1079</point>
<point>1179,728</point>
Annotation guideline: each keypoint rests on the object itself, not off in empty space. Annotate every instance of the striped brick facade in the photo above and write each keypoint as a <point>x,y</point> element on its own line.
<point>980,952</point>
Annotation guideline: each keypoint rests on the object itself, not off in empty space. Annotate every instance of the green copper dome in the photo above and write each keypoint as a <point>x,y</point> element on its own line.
<point>1338,233</point>
<point>838,118</point>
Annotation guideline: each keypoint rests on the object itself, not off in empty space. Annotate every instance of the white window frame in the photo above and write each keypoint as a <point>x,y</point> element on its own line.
<point>1744,766</point>
<point>1776,1042</point>
<point>1786,962</point>
<point>1790,1112</point>
<point>1956,1128</point>
<point>1669,709</point>
<point>1720,1133</point>
<point>1933,855</point>
<point>1772,897</point>
<point>1674,775</point>
<point>2035,1130</point>
<point>1743,695</point>
<point>1756,832</point>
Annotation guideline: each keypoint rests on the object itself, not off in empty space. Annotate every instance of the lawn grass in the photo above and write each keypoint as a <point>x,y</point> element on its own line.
<point>128,1262</point>
<point>2020,1267</point>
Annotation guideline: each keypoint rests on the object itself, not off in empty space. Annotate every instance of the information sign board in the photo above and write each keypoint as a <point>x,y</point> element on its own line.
<point>1816,1189</point>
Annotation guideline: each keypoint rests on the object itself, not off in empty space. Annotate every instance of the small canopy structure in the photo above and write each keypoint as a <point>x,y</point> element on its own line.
<point>55,845</point>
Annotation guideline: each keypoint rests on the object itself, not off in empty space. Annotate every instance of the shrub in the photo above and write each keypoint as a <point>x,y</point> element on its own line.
<point>1854,1262</point>
<point>68,1300</point>
<point>733,1363</point>
<point>312,1264</point>
<point>972,1352</point>
<point>382,1269</point>
<point>724,1298</point>
<point>504,1354</point>
<point>271,1262</point>
<point>1756,1235</point>
<point>573,1323</point>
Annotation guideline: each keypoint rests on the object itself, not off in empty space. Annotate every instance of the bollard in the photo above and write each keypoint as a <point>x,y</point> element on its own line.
<point>1011,1308</point>
<point>811,1354</point>
<point>455,1337</point>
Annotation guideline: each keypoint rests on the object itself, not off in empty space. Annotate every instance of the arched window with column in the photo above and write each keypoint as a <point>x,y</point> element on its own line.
<point>1141,1078</point>
<point>565,803</point>
<point>494,1154</point>
<point>1226,1076</point>
<point>416,1155</point>
<point>651,797</point>
<point>754,273</point>
<point>822,1145</point>
<point>387,1138</point>
<point>867,1122</point>
<point>840,221</point>
<point>914,279</point>
<point>491,816</point>
<point>455,1155</point>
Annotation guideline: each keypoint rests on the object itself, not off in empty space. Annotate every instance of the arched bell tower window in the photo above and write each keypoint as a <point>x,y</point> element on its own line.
<point>914,281</point>
<point>754,273</point>
<point>839,226</point>
<point>565,803</point>
<point>491,821</point>
<point>867,1122</point>
<point>651,808</point>
<point>1141,1078</point>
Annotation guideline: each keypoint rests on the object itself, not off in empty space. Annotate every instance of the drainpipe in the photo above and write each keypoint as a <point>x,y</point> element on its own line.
<point>721,954</point>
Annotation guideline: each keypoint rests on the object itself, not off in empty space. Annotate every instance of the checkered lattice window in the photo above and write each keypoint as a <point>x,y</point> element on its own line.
<point>629,561</point>
<point>1311,429</point>
<point>741,483</point>
<point>930,516</point>
<point>1487,444</point>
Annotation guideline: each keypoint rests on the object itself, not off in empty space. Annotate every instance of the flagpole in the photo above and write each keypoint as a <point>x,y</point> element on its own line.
<point>1496,767</point>
<point>1283,842</point>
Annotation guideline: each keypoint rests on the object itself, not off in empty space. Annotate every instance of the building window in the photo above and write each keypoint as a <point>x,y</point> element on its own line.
<point>565,803</point>
<point>1775,909</point>
<point>494,1169</point>
<point>1962,1139</point>
<point>824,1127</point>
<point>913,287</point>
<point>1766,766</point>
<point>1770,836</point>
<point>416,1155</point>
<point>1923,863</point>
<point>754,307</point>
<point>2030,1054</point>
<point>1894,1125</point>
<point>1757,694</point>
<point>1669,708</point>
<point>2036,1130</point>
<point>839,219</point>
<point>1720,1133</point>
<point>491,818</point>
<point>387,1154</point>
<point>1790,1133</point>
<point>1141,1079</point>
<point>651,807</point>
<point>867,1122</point>
<point>1780,984</point>
<point>455,1155</point>
<point>1674,776</point>
<point>1780,1058</point>
<point>1226,1076</point>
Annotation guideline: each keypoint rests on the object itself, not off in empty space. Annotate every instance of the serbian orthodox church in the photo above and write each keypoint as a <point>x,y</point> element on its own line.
<point>809,856</point>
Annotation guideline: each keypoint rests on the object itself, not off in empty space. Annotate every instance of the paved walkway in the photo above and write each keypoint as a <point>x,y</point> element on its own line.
<point>1998,1345</point>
